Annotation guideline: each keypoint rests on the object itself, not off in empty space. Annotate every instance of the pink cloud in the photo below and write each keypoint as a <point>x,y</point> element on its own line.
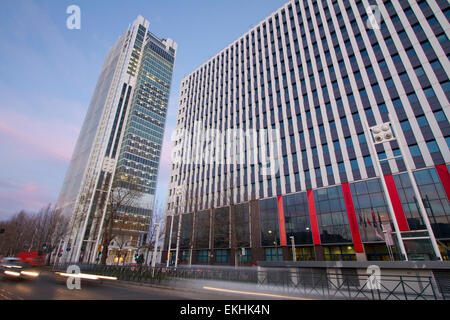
<point>166,152</point>
<point>31,188</point>
<point>27,196</point>
<point>44,138</point>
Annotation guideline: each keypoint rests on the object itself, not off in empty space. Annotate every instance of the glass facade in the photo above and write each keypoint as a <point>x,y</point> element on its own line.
<point>409,203</point>
<point>186,230</point>
<point>303,253</point>
<point>202,224</point>
<point>371,209</point>
<point>80,158</point>
<point>316,73</point>
<point>332,215</point>
<point>242,225</point>
<point>268,215</point>
<point>246,257</point>
<point>222,256</point>
<point>435,201</point>
<point>120,144</point>
<point>203,256</point>
<point>296,215</point>
<point>222,228</point>
<point>339,253</point>
<point>273,254</point>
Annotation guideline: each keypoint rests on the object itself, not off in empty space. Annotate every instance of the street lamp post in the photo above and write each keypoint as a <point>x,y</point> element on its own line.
<point>155,249</point>
<point>179,191</point>
<point>178,240</point>
<point>420,200</point>
<point>379,173</point>
<point>382,133</point>
<point>170,240</point>
<point>275,242</point>
<point>294,256</point>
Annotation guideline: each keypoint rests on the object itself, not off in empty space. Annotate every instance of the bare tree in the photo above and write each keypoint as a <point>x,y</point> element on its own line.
<point>157,217</point>
<point>33,232</point>
<point>124,194</point>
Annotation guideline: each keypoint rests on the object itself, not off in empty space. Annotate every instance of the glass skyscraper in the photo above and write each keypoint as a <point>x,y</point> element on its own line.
<point>120,141</point>
<point>302,87</point>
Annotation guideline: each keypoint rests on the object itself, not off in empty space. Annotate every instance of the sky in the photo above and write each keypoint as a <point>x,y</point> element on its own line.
<point>48,74</point>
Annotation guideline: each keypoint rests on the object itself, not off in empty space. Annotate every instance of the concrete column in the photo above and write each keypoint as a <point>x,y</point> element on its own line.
<point>257,252</point>
<point>361,256</point>
<point>233,242</point>
<point>287,256</point>
<point>319,253</point>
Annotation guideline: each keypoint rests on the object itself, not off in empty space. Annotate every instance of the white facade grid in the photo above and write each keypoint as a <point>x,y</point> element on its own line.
<point>256,71</point>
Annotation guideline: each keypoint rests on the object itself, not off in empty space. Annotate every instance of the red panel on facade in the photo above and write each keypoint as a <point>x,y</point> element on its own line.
<point>313,217</point>
<point>281,221</point>
<point>396,203</point>
<point>445,178</point>
<point>359,248</point>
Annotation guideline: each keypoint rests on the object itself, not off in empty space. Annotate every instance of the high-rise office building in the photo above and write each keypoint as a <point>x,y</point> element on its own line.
<point>276,147</point>
<point>120,142</point>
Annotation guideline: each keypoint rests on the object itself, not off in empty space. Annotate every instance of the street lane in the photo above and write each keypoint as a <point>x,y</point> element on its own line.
<point>47,287</point>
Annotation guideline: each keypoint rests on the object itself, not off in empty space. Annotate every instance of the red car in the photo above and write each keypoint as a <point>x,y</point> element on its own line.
<point>32,258</point>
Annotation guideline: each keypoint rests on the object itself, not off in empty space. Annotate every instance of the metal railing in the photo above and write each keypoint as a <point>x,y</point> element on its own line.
<point>305,282</point>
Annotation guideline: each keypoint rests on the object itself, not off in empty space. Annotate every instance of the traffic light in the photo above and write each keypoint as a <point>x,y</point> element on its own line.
<point>140,259</point>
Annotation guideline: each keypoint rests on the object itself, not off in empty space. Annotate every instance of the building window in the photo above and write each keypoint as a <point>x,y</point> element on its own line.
<point>361,138</point>
<point>273,254</point>
<point>303,253</point>
<point>408,200</point>
<point>186,230</point>
<point>435,201</point>
<point>422,121</point>
<point>376,252</point>
<point>332,215</point>
<point>246,257</point>
<point>354,164</point>
<point>296,214</point>
<point>405,125</point>
<point>221,227</point>
<point>268,215</point>
<point>222,256</point>
<point>415,151</point>
<point>440,116</point>
<point>339,253</point>
<point>429,92</point>
<point>242,225</point>
<point>370,208</point>
<point>432,146</point>
<point>329,169</point>
<point>202,230</point>
<point>203,256</point>
<point>368,161</point>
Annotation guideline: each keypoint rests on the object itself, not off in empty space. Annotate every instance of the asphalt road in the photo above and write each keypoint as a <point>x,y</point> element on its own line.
<point>48,287</point>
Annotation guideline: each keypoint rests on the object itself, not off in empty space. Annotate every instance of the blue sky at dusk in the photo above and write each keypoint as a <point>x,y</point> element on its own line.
<point>48,74</point>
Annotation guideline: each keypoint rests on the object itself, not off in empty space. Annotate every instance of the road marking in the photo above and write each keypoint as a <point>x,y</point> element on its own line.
<point>10,296</point>
<point>5,297</point>
<point>255,293</point>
